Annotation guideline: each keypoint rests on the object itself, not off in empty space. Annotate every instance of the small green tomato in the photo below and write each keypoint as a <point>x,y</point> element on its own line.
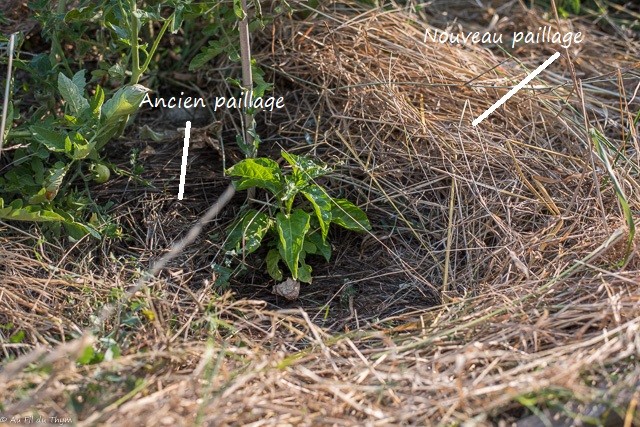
<point>100,173</point>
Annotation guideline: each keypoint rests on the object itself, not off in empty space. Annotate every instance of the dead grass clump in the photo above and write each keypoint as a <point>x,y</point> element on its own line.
<point>458,206</point>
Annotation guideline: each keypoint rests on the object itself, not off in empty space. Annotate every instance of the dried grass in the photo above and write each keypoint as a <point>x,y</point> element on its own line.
<point>497,275</point>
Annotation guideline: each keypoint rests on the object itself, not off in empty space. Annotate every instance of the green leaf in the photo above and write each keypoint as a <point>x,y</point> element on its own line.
<point>273,258</point>
<point>81,147</point>
<point>307,168</point>
<point>260,86</point>
<point>304,273</point>
<point>291,230</point>
<point>575,6</point>
<point>214,49</point>
<point>309,247</point>
<point>72,93</point>
<point>38,170</point>
<point>123,34</point>
<point>321,205</point>
<point>237,9</point>
<point>247,233</point>
<point>124,102</point>
<point>77,231</point>
<point>16,212</point>
<point>39,197</point>
<point>247,149</point>
<point>80,14</point>
<point>87,356</point>
<point>54,141</point>
<point>322,246</point>
<point>96,102</point>
<point>79,80</point>
<point>178,17</point>
<point>18,337</point>
<point>261,173</point>
<point>290,188</point>
<point>223,274</point>
<point>347,215</point>
<point>54,180</point>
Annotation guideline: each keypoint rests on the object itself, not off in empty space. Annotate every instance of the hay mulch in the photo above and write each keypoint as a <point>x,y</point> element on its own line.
<point>499,284</point>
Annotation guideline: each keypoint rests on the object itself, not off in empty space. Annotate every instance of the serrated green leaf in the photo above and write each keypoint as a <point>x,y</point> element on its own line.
<point>54,141</point>
<point>292,230</point>
<point>124,102</point>
<point>54,181</point>
<point>39,197</point>
<point>79,80</point>
<point>38,170</point>
<point>30,213</point>
<point>72,94</point>
<point>272,260</point>
<point>81,148</point>
<point>261,173</point>
<point>214,49</point>
<point>347,215</point>
<point>321,205</point>
<point>96,102</point>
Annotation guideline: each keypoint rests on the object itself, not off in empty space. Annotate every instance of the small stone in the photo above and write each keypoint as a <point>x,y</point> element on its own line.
<point>290,289</point>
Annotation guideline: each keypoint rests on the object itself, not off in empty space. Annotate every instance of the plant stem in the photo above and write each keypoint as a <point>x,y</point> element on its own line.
<point>247,82</point>
<point>156,42</point>
<point>7,91</point>
<point>247,78</point>
<point>136,71</point>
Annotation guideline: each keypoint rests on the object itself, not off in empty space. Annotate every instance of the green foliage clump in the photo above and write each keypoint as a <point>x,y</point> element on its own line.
<point>58,147</point>
<point>60,141</point>
<point>292,230</point>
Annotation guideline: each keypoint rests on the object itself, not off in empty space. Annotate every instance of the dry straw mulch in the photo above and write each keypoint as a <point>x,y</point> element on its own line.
<point>513,228</point>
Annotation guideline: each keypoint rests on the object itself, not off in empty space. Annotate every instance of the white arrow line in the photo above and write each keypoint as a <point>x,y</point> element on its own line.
<point>516,88</point>
<point>185,153</point>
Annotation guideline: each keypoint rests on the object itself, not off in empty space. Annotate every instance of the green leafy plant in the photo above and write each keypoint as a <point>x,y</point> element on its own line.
<point>59,148</point>
<point>292,229</point>
<point>60,137</point>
